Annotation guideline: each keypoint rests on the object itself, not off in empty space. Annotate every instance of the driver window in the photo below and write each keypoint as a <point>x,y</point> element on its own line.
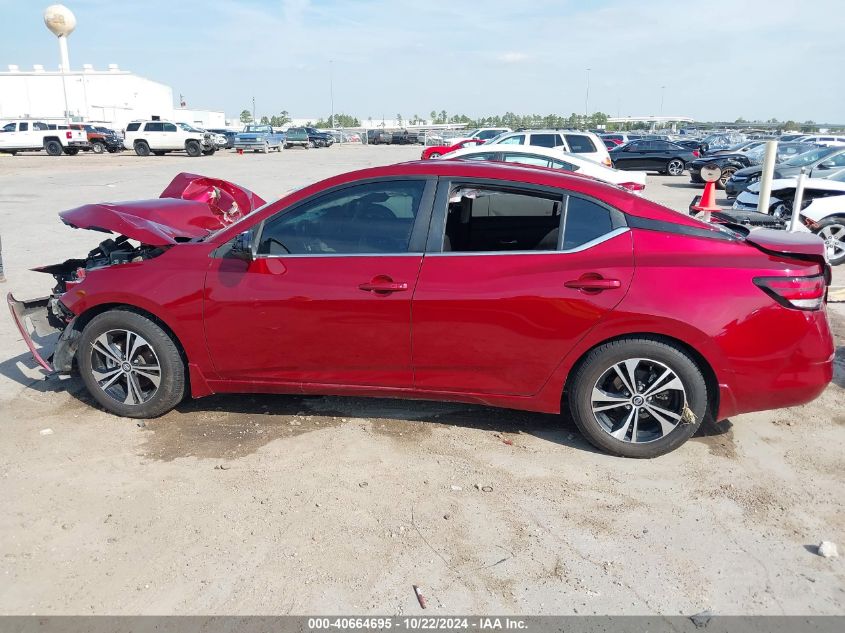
<point>169,127</point>
<point>371,218</point>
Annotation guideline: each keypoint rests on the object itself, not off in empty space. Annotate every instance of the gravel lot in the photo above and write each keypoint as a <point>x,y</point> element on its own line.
<point>273,504</point>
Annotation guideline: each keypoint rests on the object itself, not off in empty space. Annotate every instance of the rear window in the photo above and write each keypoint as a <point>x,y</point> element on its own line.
<point>133,127</point>
<point>580,144</point>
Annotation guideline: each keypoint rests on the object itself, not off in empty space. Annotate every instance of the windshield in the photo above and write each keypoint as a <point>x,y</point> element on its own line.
<point>187,127</point>
<point>257,128</point>
<point>808,157</point>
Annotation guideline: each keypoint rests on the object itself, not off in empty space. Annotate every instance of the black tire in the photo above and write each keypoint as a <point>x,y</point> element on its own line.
<point>193,148</point>
<point>288,146</point>
<point>142,148</point>
<point>675,167</point>
<point>172,387</point>
<point>601,360</point>
<point>71,151</point>
<point>97,147</point>
<point>53,148</point>
<point>727,172</point>
<point>832,231</point>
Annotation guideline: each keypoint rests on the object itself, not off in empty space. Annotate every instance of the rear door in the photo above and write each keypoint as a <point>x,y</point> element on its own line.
<point>153,134</point>
<point>513,277</point>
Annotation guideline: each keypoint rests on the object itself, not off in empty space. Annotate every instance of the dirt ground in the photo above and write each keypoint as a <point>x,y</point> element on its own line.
<point>274,504</point>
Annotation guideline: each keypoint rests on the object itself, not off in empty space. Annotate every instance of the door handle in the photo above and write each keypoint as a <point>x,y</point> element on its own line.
<point>593,284</point>
<point>383,285</point>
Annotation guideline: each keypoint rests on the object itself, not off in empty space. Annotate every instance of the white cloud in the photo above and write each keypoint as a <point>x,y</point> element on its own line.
<point>513,57</point>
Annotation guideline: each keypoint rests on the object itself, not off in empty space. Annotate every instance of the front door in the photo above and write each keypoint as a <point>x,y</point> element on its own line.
<point>521,277</point>
<point>327,298</point>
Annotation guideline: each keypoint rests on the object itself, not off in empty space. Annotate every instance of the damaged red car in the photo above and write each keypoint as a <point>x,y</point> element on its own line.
<point>503,285</point>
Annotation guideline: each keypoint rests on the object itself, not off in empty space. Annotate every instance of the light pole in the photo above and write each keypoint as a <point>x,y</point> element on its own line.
<point>331,95</point>
<point>662,94</point>
<point>587,98</point>
<point>253,110</point>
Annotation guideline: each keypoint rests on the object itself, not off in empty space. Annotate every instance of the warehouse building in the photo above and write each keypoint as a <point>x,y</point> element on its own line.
<point>111,96</point>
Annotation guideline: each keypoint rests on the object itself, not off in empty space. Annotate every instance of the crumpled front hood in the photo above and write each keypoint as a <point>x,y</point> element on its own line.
<point>190,207</point>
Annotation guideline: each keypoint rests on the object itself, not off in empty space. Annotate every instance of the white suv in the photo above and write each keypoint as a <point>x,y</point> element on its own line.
<point>586,144</point>
<point>161,137</point>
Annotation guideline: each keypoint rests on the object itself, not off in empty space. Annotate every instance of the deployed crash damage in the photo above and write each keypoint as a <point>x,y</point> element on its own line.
<point>190,208</point>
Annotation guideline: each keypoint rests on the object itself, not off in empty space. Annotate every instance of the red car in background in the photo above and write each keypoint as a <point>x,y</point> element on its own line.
<point>485,283</point>
<point>435,151</point>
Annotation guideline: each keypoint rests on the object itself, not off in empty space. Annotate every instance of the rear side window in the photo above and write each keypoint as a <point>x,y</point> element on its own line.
<point>154,126</point>
<point>490,220</point>
<point>580,144</point>
<point>544,140</point>
<point>517,139</point>
<point>585,221</point>
<point>482,156</point>
<point>133,127</point>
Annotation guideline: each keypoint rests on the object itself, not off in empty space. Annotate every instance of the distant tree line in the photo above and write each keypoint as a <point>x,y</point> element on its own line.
<point>509,119</point>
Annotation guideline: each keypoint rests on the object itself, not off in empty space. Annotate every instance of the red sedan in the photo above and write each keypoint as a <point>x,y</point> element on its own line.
<point>482,283</point>
<point>436,151</point>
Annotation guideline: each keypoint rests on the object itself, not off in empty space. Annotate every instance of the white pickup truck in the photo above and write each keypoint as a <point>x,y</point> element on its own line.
<point>33,136</point>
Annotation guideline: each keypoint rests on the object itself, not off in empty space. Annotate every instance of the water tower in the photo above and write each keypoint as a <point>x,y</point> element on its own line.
<point>61,22</point>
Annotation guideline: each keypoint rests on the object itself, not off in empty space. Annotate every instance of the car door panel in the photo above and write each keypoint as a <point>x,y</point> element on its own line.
<point>473,314</point>
<point>307,320</point>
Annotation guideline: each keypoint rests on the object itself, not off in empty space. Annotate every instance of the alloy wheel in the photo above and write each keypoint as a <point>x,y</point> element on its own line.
<point>638,400</point>
<point>125,366</point>
<point>834,239</point>
<point>675,168</point>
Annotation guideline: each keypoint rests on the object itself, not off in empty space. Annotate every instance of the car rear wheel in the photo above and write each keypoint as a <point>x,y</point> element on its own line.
<point>675,167</point>
<point>193,148</point>
<point>832,231</point>
<point>53,148</point>
<point>638,397</point>
<point>142,148</point>
<point>130,365</point>
<point>98,148</point>
<point>266,148</point>
<point>309,145</point>
<point>727,172</point>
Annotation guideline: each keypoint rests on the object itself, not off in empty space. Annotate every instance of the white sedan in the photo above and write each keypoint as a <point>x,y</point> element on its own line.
<point>633,181</point>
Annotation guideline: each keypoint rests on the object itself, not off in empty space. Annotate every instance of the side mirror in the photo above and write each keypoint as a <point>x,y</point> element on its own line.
<point>242,246</point>
<point>825,165</point>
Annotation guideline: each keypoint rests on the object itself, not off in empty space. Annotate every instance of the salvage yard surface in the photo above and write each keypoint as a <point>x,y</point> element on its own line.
<point>302,505</point>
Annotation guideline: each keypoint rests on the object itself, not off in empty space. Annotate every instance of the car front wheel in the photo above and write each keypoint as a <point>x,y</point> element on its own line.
<point>675,167</point>
<point>193,148</point>
<point>130,365</point>
<point>638,397</point>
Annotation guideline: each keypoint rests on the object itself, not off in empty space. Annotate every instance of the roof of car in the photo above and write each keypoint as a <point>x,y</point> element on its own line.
<point>536,150</point>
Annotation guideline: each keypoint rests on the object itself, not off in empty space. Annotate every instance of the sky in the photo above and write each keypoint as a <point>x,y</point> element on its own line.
<point>757,59</point>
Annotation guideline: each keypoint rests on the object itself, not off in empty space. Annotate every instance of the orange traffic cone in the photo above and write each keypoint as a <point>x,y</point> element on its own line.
<point>707,202</point>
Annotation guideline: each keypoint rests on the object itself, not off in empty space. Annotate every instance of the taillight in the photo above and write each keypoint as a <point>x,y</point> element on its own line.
<point>804,293</point>
<point>632,186</point>
<point>69,134</point>
<point>696,153</point>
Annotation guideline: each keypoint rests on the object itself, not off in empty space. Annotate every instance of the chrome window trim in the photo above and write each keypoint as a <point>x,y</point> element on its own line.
<point>577,249</point>
<point>323,255</point>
